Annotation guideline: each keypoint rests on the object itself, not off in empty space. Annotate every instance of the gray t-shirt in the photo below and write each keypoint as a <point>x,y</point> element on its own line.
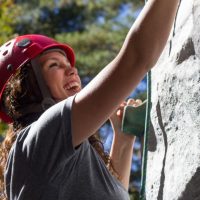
<point>43,165</point>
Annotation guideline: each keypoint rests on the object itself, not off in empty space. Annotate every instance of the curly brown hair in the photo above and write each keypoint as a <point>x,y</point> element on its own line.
<point>22,90</point>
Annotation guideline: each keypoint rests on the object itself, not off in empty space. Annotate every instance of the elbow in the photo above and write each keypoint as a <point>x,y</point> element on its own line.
<point>148,62</point>
<point>139,58</point>
<point>147,58</point>
<point>143,52</point>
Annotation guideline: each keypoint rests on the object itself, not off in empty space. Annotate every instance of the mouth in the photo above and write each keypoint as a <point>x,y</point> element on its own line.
<point>72,86</point>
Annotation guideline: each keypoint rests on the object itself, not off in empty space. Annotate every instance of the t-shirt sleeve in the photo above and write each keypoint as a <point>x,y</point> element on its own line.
<point>49,141</point>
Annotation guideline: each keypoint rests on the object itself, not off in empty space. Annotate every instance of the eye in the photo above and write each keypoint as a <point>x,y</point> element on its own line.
<point>53,64</point>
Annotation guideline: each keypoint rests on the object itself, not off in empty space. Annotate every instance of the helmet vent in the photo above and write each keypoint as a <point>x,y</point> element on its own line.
<point>8,44</point>
<point>10,67</point>
<point>5,52</point>
<point>24,43</point>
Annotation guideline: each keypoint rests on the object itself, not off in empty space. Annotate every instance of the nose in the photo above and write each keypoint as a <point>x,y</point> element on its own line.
<point>70,71</point>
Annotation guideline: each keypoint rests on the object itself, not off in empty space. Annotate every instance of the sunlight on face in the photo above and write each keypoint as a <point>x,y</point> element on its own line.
<point>62,80</point>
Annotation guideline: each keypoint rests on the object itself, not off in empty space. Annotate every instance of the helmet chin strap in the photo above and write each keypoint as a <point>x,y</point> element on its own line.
<point>47,99</point>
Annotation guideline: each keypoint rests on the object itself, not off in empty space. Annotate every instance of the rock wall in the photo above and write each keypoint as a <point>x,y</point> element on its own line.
<point>173,165</point>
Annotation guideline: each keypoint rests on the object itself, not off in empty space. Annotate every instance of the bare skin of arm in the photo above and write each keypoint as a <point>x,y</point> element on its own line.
<point>140,51</point>
<point>122,146</point>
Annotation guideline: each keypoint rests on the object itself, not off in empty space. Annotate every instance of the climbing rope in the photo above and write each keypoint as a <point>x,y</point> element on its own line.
<point>145,148</point>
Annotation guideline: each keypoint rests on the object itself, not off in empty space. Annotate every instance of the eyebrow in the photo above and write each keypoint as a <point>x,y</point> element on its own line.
<point>46,60</point>
<point>55,59</point>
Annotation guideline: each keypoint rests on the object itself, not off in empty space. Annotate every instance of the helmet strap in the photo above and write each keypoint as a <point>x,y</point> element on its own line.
<point>47,99</point>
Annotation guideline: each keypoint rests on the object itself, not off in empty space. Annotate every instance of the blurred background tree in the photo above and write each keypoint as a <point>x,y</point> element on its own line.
<point>8,13</point>
<point>94,28</point>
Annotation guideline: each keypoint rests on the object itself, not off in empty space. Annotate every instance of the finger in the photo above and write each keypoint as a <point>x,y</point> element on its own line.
<point>139,102</point>
<point>119,113</point>
<point>131,102</point>
<point>122,105</point>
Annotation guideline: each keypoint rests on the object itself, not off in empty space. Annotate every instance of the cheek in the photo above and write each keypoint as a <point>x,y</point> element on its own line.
<point>79,79</point>
<point>52,81</point>
<point>52,77</point>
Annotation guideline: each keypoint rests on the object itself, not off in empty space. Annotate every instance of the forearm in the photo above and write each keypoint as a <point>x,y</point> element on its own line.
<point>121,155</point>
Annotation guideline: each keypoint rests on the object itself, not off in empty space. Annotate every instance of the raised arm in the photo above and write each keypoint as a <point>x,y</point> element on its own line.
<point>140,51</point>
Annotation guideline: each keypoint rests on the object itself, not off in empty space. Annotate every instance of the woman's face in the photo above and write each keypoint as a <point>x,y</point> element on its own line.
<point>62,80</point>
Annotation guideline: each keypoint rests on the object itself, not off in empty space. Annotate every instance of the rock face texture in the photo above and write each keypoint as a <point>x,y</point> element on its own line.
<point>173,163</point>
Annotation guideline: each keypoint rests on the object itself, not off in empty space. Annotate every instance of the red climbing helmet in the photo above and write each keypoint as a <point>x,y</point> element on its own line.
<point>19,51</point>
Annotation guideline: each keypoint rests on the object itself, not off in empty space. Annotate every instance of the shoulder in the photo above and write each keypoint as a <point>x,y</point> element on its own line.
<point>60,109</point>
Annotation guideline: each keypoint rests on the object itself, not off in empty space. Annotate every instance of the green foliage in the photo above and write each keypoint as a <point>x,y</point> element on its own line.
<point>3,128</point>
<point>8,12</point>
<point>53,17</point>
<point>134,195</point>
<point>50,20</point>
